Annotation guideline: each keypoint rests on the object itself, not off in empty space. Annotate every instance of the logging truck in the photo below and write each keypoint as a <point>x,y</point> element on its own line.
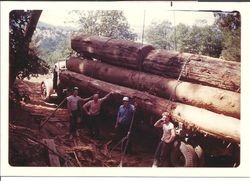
<point>204,91</point>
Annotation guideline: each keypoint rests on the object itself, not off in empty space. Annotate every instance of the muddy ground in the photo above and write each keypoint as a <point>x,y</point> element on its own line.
<point>25,138</point>
<point>26,146</point>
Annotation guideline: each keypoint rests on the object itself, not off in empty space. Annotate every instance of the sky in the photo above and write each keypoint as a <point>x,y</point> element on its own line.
<point>135,17</point>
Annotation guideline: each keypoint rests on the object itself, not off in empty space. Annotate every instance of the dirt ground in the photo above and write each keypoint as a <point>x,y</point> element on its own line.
<point>26,146</point>
<point>26,141</point>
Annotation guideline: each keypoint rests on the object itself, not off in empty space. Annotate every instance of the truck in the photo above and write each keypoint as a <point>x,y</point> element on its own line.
<point>209,138</point>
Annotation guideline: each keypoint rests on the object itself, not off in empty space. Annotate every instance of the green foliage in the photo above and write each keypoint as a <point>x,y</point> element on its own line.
<point>53,42</point>
<point>230,25</point>
<point>22,58</point>
<point>205,40</point>
<point>160,35</point>
<point>109,23</point>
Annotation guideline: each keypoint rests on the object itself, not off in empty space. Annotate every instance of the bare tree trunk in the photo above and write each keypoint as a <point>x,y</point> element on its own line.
<point>199,69</point>
<point>31,27</point>
<point>213,99</point>
<point>117,52</point>
<point>204,121</point>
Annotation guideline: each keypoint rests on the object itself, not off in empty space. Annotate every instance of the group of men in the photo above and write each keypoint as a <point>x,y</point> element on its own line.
<point>92,107</point>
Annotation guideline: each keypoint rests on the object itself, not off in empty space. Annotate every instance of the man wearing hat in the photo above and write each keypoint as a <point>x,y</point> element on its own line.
<point>72,105</point>
<point>124,118</point>
<point>167,139</point>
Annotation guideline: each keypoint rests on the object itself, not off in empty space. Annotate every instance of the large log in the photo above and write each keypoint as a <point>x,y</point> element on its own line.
<point>117,52</point>
<point>214,99</point>
<point>220,126</point>
<point>200,69</point>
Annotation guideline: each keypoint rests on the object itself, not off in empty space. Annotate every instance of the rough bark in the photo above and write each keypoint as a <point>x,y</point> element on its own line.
<point>200,69</point>
<point>117,52</point>
<point>202,120</point>
<point>32,24</point>
<point>214,99</point>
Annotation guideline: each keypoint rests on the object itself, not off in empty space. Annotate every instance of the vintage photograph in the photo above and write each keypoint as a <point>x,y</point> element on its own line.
<point>124,88</point>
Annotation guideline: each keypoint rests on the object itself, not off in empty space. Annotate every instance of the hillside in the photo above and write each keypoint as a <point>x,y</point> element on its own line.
<point>52,42</point>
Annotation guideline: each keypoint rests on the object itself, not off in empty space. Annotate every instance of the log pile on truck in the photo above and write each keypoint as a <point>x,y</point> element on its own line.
<point>206,99</point>
<point>207,96</point>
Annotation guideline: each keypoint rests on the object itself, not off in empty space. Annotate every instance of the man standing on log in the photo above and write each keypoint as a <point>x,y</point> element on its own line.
<point>72,105</point>
<point>167,139</point>
<point>123,121</point>
<point>92,108</point>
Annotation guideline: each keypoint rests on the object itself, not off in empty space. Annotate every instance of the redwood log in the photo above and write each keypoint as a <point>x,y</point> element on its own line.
<point>214,99</point>
<point>220,126</point>
<point>199,69</point>
<point>117,52</point>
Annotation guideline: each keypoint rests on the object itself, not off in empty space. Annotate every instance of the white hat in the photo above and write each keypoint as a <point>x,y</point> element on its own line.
<point>125,99</point>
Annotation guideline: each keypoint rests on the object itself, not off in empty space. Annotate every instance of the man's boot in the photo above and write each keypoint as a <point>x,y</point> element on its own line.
<point>154,164</point>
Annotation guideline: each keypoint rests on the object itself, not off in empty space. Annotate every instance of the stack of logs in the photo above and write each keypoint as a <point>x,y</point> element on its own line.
<point>206,97</point>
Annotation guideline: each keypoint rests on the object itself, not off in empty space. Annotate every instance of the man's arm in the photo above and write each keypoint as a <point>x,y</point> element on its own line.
<point>68,107</point>
<point>173,134</point>
<point>87,99</point>
<point>106,97</point>
<point>86,106</point>
<point>117,118</point>
<point>159,123</point>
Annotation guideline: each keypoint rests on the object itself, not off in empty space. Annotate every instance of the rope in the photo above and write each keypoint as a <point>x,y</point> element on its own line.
<point>180,74</point>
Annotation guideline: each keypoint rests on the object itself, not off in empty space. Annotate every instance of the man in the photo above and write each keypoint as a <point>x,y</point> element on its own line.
<point>167,139</point>
<point>92,108</point>
<point>55,77</point>
<point>123,121</point>
<point>72,105</point>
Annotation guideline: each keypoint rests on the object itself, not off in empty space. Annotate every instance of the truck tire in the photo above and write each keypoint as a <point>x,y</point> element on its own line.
<point>200,156</point>
<point>183,155</point>
<point>46,89</point>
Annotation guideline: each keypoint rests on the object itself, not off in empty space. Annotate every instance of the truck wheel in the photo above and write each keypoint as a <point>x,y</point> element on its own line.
<point>183,155</point>
<point>200,155</point>
<point>46,90</point>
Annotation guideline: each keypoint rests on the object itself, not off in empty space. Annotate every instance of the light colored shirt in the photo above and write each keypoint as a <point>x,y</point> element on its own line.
<point>125,114</point>
<point>94,107</point>
<point>167,128</point>
<point>72,102</point>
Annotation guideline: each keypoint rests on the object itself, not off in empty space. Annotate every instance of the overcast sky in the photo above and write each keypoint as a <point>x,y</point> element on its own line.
<point>135,18</point>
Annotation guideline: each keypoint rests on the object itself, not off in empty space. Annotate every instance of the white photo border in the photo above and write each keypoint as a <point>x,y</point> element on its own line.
<point>241,171</point>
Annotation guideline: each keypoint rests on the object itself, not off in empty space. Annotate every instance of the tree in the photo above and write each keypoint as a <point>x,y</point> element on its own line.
<point>160,35</point>
<point>230,25</point>
<point>109,23</point>
<point>180,35</point>
<point>53,42</point>
<point>23,60</point>
<point>203,39</point>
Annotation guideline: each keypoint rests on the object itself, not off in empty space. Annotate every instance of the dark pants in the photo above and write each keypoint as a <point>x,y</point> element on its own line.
<point>121,132</point>
<point>93,124</point>
<point>162,153</point>
<point>55,74</point>
<point>73,122</point>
